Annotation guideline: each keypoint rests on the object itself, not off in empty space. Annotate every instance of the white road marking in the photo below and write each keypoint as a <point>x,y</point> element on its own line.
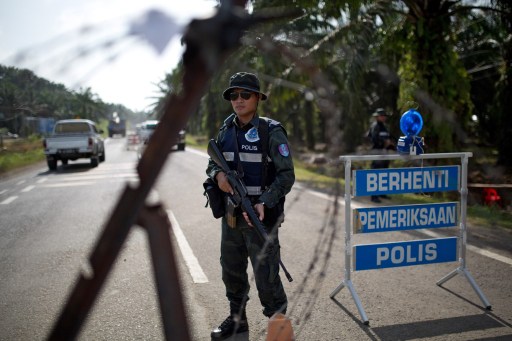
<point>115,166</point>
<point>197,273</point>
<point>69,184</point>
<point>472,248</point>
<point>40,181</point>
<point>3,191</point>
<point>28,188</point>
<point>490,254</point>
<point>9,200</point>
<point>98,177</point>
<point>21,182</point>
<point>88,180</point>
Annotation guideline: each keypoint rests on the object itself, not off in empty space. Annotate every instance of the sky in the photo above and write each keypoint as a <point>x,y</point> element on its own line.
<point>86,43</point>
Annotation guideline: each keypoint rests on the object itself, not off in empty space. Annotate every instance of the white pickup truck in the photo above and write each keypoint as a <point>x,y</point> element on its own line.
<point>74,139</point>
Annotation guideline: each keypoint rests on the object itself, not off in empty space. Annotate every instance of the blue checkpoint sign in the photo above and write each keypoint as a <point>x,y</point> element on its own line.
<point>405,217</point>
<point>406,180</point>
<point>407,253</point>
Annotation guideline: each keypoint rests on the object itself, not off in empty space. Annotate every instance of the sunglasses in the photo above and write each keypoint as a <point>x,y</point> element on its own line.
<point>244,94</point>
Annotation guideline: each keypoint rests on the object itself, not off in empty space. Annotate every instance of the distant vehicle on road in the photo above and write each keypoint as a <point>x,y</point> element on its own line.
<point>74,139</point>
<point>147,128</point>
<point>145,131</point>
<point>116,126</point>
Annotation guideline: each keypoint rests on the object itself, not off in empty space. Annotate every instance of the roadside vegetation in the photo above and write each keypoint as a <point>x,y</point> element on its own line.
<point>17,153</point>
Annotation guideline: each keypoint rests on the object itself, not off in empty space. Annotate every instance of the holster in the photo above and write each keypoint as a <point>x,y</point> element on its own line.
<point>215,197</point>
<point>231,212</point>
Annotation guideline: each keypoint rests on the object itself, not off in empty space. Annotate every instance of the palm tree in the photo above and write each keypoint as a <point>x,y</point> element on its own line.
<point>86,104</point>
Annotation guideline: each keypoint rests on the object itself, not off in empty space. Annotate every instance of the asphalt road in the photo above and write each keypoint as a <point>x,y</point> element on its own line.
<point>50,221</point>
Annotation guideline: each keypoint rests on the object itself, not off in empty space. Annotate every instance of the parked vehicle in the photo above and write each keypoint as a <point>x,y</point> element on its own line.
<point>74,139</point>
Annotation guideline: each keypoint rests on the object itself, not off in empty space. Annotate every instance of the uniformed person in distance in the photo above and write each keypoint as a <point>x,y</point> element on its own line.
<point>381,141</point>
<point>240,140</point>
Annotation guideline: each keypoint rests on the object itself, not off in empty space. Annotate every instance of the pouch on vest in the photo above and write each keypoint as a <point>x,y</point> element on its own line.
<point>274,216</point>
<point>214,197</point>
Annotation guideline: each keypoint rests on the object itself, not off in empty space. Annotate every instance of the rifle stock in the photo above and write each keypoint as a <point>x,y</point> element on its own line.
<point>240,196</point>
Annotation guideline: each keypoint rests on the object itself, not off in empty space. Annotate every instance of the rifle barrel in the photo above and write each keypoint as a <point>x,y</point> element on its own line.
<point>261,232</point>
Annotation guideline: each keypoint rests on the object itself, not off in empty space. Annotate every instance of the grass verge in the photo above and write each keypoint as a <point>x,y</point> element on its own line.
<point>17,153</point>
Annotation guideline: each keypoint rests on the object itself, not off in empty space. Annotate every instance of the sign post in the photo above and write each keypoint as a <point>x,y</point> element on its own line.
<point>347,282</point>
<point>463,235</point>
<point>405,217</point>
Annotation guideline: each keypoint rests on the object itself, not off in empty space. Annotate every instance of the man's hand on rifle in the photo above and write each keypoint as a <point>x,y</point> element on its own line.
<point>225,186</point>
<point>223,183</point>
<point>260,211</point>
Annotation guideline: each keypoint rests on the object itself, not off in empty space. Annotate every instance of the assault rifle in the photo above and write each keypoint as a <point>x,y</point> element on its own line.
<point>240,197</point>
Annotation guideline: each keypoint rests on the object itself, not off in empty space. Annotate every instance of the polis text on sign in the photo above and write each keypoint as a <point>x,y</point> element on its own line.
<point>406,253</point>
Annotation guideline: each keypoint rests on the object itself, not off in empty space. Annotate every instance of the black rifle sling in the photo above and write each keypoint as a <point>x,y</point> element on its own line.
<point>239,168</point>
<point>263,134</point>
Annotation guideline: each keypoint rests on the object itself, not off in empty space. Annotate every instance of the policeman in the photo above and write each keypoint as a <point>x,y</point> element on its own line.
<point>381,140</point>
<point>245,139</point>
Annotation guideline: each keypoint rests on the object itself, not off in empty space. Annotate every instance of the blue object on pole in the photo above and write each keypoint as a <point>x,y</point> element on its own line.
<point>411,124</point>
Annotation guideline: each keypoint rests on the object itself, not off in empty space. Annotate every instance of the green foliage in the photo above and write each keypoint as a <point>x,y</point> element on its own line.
<point>503,99</point>
<point>490,216</point>
<point>24,94</point>
<point>433,77</point>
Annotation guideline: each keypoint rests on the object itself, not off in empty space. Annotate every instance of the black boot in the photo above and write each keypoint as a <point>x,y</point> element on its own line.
<point>232,325</point>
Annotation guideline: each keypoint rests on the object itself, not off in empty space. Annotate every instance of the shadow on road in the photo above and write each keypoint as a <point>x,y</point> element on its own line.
<point>434,328</point>
<point>238,337</point>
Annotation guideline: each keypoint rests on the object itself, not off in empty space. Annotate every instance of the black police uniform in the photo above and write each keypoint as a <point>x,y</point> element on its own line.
<point>380,138</point>
<point>242,148</point>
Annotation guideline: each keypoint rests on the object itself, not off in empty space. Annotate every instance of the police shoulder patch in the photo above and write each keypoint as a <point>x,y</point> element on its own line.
<point>283,150</point>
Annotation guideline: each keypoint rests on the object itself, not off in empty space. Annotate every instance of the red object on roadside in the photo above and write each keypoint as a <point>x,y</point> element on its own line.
<point>133,139</point>
<point>491,197</point>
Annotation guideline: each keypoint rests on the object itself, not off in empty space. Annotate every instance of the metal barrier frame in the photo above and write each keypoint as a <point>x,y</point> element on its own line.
<point>462,269</point>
